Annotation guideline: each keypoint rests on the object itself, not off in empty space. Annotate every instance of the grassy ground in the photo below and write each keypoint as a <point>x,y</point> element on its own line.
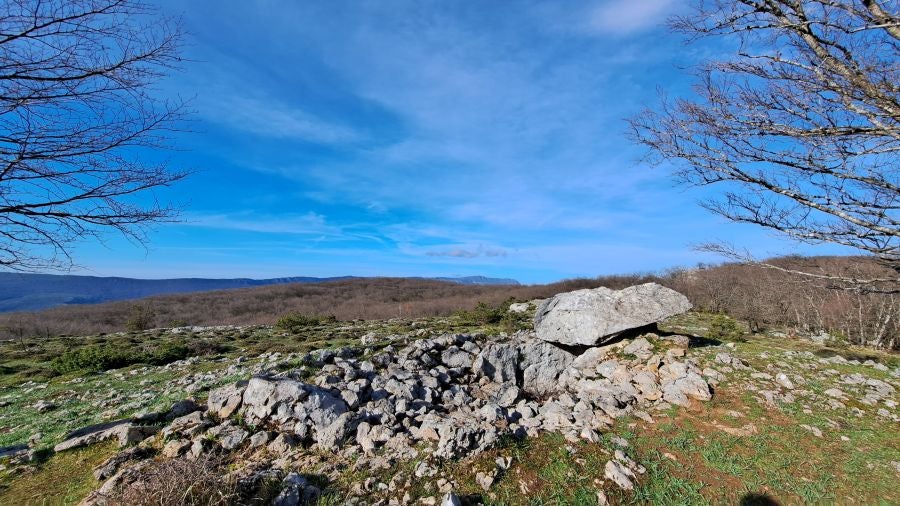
<point>738,448</point>
<point>62,480</point>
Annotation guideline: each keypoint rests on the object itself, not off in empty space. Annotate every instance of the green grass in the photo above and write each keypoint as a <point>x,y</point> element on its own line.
<point>662,486</point>
<point>62,480</point>
<point>781,460</point>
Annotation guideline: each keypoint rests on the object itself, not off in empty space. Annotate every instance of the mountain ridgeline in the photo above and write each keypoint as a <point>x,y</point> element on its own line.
<point>32,292</point>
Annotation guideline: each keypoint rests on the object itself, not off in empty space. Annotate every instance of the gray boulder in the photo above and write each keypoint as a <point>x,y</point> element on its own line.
<point>542,363</point>
<point>224,401</point>
<point>262,396</point>
<point>594,316</point>
<point>497,362</point>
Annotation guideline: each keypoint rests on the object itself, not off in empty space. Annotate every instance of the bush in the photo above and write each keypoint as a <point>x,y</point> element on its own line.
<point>296,322</point>
<point>486,314</point>
<point>167,353</point>
<point>483,314</point>
<point>724,328</point>
<point>102,357</point>
<point>141,318</point>
<point>94,358</point>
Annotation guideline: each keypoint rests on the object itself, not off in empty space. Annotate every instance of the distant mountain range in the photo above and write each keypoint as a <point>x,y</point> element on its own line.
<point>31,292</point>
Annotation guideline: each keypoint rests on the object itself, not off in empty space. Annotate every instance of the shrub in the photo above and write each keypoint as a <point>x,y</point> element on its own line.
<point>483,314</point>
<point>724,328</point>
<point>141,318</point>
<point>296,322</point>
<point>94,358</point>
<point>167,353</point>
<point>486,314</point>
<point>101,357</point>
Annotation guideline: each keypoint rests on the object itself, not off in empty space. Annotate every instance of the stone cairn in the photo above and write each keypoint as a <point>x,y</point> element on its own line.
<point>592,357</point>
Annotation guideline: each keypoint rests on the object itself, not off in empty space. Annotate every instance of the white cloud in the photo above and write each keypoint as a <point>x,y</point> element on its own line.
<point>467,252</point>
<point>306,224</point>
<point>622,17</point>
<point>270,118</point>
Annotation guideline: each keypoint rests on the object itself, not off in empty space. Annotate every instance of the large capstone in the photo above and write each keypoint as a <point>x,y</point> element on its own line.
<point>594,316</point>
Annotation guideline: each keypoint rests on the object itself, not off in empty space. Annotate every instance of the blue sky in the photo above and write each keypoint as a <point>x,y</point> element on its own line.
<point>424,138</point>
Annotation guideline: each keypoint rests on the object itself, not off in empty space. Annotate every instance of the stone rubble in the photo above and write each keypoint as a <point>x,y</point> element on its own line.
<point>395,399</point>
<point>444,397</point>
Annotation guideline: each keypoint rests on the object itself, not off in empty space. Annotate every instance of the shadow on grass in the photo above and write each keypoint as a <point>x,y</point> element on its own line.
<point>758,499</point>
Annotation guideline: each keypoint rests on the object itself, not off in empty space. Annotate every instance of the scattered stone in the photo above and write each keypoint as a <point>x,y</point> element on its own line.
<point>783,380</point>
<point>815,430</point>
<point>261,439</point>
<point>619,474</point>
<point>484,480</point>
<point>518,307</point>
<point>296,490</point>
<point>619,441</point>
<point>836,393</point>
<point>175,448</point>
<point>43,406</point>
<point>13,451</point>
<point>223,402</point>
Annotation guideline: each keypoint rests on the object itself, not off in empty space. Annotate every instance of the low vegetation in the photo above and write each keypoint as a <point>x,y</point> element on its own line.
<point>739,447</point>
<point>297,322</point>
<point>761,298</point>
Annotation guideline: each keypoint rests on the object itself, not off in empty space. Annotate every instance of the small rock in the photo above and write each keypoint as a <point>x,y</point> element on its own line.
<point>783,380</point>
<point>619,474</point>
<point>43,406</point>
<point>484,480</point>
<point>815,430</point>
<point>260,439</point>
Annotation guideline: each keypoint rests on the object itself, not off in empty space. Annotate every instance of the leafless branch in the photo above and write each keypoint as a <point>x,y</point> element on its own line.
<point>79,124</point>
<point>800,128</point>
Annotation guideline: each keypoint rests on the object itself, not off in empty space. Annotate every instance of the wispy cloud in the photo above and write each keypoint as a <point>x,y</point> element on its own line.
<point>429,138</point>
<point>274,119</point>
<point>305,224</point>
<point>621,17</point>
<point>465,252</point>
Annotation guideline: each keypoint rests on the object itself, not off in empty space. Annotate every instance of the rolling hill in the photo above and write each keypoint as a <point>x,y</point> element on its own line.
<point>32,292</point>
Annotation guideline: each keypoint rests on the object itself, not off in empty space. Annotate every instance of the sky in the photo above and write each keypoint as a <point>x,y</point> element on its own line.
<point>425,138</point>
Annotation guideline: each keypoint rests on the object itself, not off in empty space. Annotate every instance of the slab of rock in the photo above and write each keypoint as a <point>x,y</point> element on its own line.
<point>13,451</point>
<point>124,430</point>
<point>594,316</point>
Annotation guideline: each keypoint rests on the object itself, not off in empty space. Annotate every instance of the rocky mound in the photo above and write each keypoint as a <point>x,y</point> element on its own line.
<point>443,397</point>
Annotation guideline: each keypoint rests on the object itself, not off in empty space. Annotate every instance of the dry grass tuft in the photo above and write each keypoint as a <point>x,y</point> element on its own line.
<point>200,482</point>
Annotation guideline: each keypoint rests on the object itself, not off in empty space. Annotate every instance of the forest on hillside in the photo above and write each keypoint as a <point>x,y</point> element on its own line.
<point>763,297</point>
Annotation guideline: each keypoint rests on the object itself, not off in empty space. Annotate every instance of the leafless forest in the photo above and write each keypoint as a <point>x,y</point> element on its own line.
<point>763,297</point>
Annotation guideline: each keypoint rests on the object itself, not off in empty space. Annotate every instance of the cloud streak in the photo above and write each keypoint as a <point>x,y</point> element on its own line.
<point>272,119</point>
<point>428,138</point>
<point>464,252</point>
<point>625,17</point>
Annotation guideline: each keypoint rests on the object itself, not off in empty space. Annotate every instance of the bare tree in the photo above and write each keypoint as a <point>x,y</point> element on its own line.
<point>79,123</point>
<point>800,128</point>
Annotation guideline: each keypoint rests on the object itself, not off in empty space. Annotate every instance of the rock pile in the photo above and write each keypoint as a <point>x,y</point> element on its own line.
<point>456,394</point>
